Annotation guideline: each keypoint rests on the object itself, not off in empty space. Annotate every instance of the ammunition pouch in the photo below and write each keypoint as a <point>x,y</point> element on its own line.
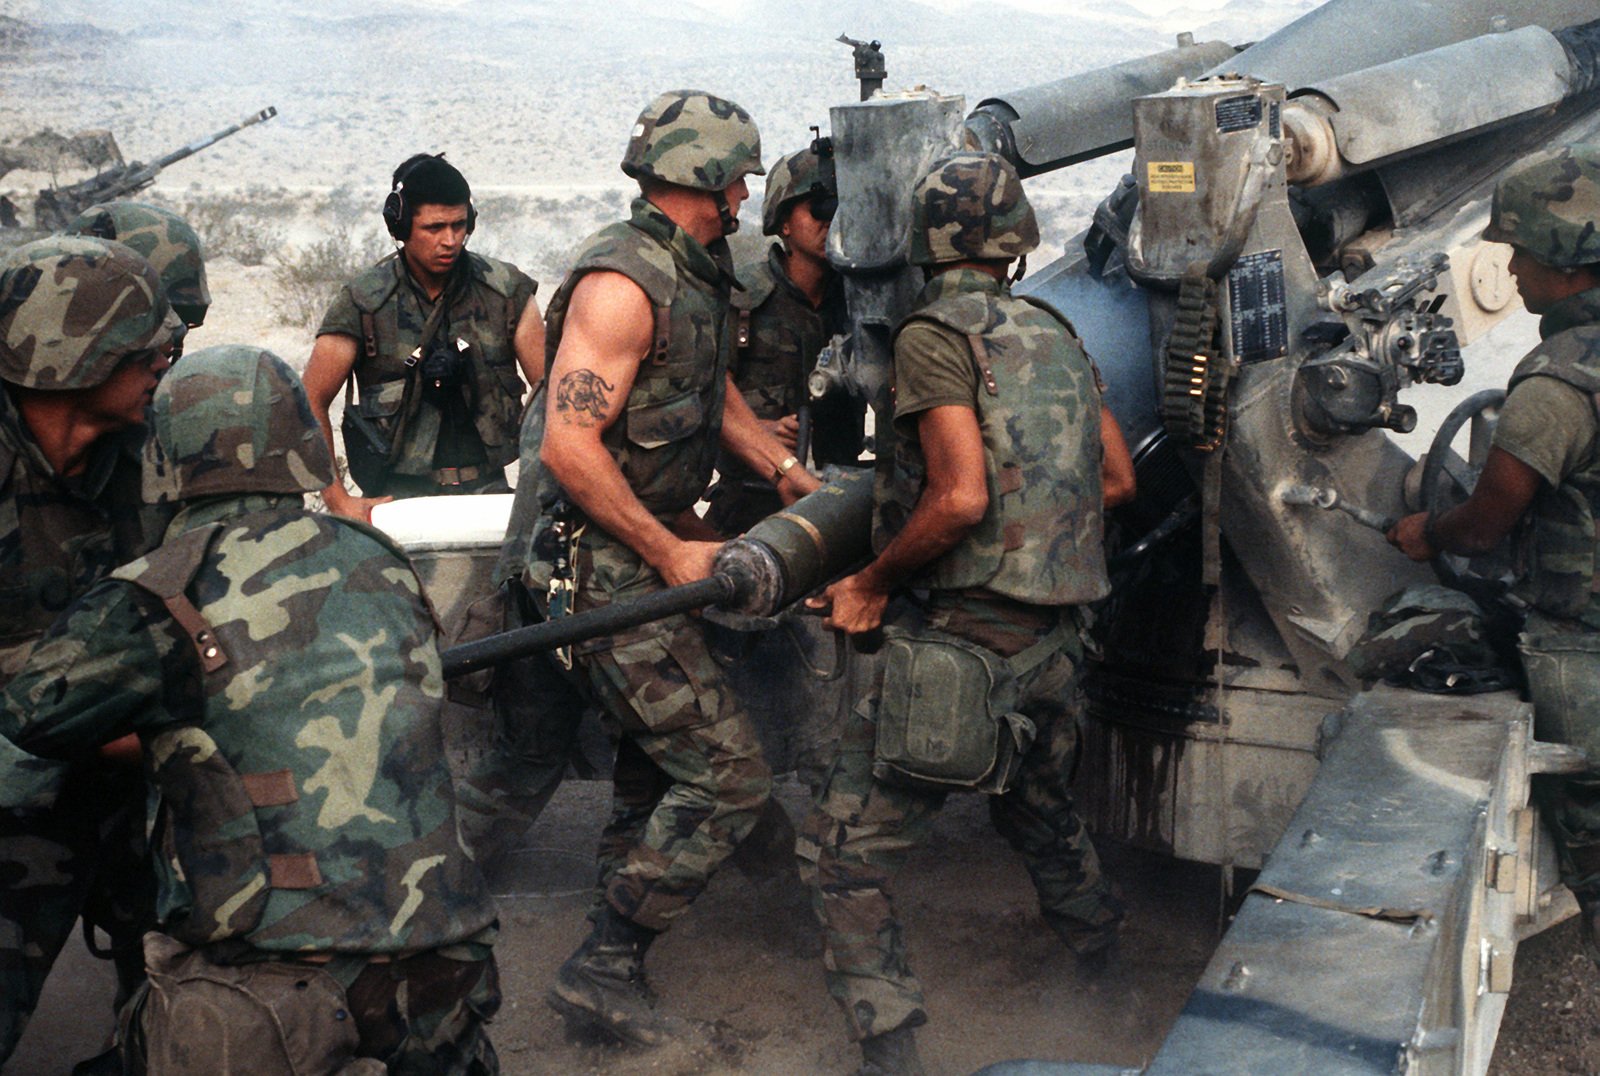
<point>947,717</point>
<point>269,1018</point>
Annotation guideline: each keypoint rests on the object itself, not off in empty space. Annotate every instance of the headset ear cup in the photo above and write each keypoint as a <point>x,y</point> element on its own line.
<point>394,216</point>
<point>472,218</point>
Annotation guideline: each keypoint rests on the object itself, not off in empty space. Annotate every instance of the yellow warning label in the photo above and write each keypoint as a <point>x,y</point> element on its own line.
<point>1172,177</point>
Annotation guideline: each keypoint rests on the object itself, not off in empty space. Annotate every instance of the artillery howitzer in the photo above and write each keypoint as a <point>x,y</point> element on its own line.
<point>1302,234</point>
<point>55,207</point>
<point>1299,242</point>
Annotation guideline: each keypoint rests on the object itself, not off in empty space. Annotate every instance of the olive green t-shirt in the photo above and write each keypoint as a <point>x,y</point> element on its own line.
<point>932,368</point>
<point>341,317</point>
<point>1548,425</point>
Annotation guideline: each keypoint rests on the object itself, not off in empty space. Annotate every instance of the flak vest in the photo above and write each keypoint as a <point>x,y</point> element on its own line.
<point>309,808</point>
<point>665,440</point>
<point>778,335</point>
<point>59,537</point>
<point>484,313</point>
<point>1038,409</point>
<point>1557,548</point>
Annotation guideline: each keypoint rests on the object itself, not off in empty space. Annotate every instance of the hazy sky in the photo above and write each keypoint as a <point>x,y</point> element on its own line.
<point>1149,7</point>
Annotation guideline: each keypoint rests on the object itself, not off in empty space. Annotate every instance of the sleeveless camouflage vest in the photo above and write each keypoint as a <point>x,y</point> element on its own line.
<point>778,336</point>
<point>309,809</point>
<point>665,441</point>
<point>1038,409</point>
<point>1558,550</point>
<point>484,311</point>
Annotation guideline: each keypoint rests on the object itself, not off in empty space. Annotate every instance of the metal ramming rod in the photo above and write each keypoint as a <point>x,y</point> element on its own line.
<point>783,558</point>
<point>717,589</point>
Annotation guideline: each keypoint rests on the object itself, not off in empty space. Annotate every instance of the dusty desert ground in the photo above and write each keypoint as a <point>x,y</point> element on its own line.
<point>533,98</point>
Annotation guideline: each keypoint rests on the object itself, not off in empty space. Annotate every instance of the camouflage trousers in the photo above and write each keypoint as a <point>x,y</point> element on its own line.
<point>420,1015</point>
<point>1563,669</point>
<point>862,830</point>
<point>797,712</point>
<point>690,778</point>
<point>84,856</point>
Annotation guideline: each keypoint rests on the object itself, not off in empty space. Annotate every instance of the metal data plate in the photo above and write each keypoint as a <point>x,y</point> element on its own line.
<point>1257,308</point>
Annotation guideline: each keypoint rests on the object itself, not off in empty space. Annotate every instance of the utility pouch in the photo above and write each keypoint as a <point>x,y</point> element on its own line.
<point>947,718</point>
<point>269,1018</point>
<point>366,450</point>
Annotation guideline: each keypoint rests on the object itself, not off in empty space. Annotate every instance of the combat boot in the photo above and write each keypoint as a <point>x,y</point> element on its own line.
<point>1095,947</point>
<point>1091,927</point>
<point>893,1053</point>
<point>1589,924</point>
<point>602,985</point>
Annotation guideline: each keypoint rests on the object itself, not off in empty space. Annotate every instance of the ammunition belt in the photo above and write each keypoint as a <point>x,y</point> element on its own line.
<point>1194,397</point>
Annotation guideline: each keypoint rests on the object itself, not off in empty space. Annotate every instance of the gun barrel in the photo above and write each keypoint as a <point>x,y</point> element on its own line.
<point>211,139</point>
<point>589,624</point>
<point>1042,128</point>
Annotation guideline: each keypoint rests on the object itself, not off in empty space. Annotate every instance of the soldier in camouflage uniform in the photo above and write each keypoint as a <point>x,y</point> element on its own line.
<point>790,305</point>
<point>1541,486</point>
<point>167,242</point>
<point>281,671</point>
<point>85,331</point>
<point>434,337</point>
<point>990,503</point>
<point>641,333</point>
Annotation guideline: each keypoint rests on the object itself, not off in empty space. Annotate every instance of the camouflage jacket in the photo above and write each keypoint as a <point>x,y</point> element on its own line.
<point>1557,551</point>
<point>665,441</point>
<point>486,299</point>
<point>58,536</point>
<point>285,686</point>
<point>1038,409</point>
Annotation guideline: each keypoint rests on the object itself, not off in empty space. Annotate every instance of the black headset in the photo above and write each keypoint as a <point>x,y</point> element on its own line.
<point>397,212</point>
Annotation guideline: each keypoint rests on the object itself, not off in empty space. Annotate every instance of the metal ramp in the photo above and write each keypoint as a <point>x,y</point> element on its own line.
<point>1379,937</point>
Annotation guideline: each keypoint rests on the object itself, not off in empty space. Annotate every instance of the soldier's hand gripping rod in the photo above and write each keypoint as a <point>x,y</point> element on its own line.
<point>717,589</point>
<point>782,558</point>
<point>1318,497</point>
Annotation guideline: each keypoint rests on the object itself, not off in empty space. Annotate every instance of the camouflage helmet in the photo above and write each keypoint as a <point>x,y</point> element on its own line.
<point>1551,208</point>
<point>792,179</point>
<point>166,241</point>
<point>72,308</point>
<point>694,139</point>
<point>235,420</point>
<point>971,206</point>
